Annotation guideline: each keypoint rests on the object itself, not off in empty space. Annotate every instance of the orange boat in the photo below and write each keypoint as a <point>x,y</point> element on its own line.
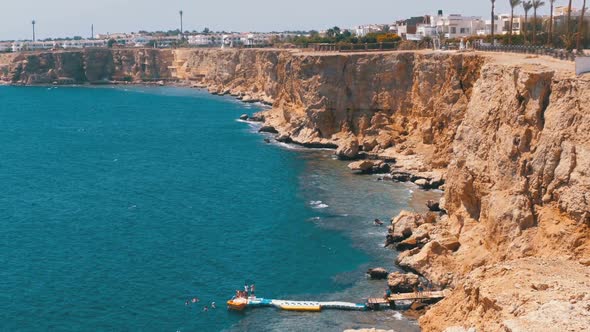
<point>239,304</point>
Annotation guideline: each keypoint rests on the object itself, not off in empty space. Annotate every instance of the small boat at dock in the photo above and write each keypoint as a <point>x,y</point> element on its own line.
<point>237,304</point>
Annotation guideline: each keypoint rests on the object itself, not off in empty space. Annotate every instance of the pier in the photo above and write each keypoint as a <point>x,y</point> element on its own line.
<point>376,303</point>
<point>242,303</point>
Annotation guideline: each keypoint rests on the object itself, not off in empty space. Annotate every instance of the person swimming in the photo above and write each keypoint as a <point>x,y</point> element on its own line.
<point>213,306</point>
<point>205,309</point>
<point>378,222</point>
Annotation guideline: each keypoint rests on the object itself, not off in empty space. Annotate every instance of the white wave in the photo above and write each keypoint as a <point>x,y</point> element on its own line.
<point>318,204</point>
<point>398,315</point>
<point>289,146</point>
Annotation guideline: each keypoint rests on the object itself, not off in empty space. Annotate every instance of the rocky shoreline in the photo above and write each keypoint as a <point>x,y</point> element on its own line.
<point>505,138</point>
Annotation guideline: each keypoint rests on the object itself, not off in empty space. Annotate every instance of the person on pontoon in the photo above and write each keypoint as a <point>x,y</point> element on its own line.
<point>387,293</point>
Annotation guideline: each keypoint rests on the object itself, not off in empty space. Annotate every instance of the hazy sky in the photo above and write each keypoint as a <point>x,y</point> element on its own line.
<point>58,18</point>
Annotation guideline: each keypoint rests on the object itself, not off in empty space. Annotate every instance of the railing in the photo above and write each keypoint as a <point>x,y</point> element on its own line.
<point>350,47</point>
<point>538,50</point>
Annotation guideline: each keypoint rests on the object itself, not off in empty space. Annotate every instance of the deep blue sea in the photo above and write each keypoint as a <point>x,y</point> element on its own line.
<point>118,204</point>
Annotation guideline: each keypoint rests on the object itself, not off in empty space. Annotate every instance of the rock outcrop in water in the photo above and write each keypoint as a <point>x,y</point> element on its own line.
<point>510,143</point>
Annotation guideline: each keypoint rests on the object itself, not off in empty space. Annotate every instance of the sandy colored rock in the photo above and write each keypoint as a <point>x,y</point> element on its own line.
<point>485,299</point>
<point>403,225</point>
<point>361,165</point>
<point>403,282</point>
<point>348,149</point>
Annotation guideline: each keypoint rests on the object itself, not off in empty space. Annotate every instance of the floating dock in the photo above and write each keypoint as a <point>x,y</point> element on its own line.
<point>310,306</point>
<point>242,303</point>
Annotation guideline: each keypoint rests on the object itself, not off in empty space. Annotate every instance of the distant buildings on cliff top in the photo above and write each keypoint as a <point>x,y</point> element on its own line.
<point>457,25</point>
<point>413,28</point>
<point>150,40</point>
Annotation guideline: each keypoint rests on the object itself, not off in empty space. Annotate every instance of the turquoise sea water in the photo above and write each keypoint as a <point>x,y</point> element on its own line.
<point>119,204</point>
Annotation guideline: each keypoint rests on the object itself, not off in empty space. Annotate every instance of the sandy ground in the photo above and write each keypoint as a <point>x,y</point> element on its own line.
<point>526,60</point>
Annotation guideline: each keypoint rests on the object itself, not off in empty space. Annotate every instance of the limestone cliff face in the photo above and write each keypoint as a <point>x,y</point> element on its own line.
<point>381,100</point>
<point>90,66</point>
<point>512,142</point>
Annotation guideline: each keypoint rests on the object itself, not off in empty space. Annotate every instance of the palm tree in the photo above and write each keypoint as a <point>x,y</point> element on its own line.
<point>581,28</point>
<point>550,35</point>
<point>536,5</point>
<point>33,23</point>
<point>493,19</point>
<point>569,18</point>
<point>527,6</point>
<point>513,3</point>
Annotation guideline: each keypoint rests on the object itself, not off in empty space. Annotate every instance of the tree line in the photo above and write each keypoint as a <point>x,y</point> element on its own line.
<point>569,34</point>
<point>336,35</point>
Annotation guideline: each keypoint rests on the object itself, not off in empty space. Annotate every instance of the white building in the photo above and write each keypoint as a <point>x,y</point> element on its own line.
<point>20,46</point>
<point>231,40</point>
<point>204,40</point>
<point>83,43</point>
<point>562,11</point>
<point>363,30</point>
<point>456,26</point>
<point>502,25</point>
<point>256,39</point>
<point>426,30</point>
<point>5,47</point>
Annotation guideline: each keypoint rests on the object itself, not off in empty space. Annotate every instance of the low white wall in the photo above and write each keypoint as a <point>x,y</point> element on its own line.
<point>582,65</point>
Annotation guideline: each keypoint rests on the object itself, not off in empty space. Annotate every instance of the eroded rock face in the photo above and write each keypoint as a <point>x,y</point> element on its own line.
<point>403,282</point>
<point>369,166</point>
<point>91,66</point>
<point>348,149</point>
<point>527,294</point>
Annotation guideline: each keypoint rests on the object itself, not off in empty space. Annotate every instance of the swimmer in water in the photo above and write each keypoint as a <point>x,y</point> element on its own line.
<point>213,306</point>
<point>205,309</point>
<point>195,299</point>
<point>377,222</point>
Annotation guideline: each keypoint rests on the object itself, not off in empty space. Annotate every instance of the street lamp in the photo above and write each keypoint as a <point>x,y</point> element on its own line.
<point>181,12</point>
<point>33,22</point>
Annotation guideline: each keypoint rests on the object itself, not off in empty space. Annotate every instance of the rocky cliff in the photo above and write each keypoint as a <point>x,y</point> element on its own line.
<point>89,66</point>
<point>510,141</point>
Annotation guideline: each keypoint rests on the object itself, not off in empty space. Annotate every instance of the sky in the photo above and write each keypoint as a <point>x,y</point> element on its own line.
<point>61,18</point>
